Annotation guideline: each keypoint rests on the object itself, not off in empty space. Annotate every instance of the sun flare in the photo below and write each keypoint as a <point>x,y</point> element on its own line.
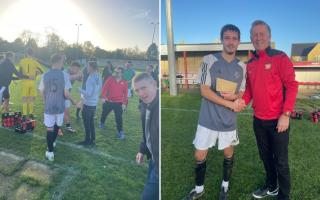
<point>46,16</point>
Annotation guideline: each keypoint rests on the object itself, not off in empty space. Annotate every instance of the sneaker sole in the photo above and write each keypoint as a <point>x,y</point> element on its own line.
<point>272,193</point>
<point>201,194</point>
<point>268,194</point>
<point>259,197</point>
<point>188,198</point>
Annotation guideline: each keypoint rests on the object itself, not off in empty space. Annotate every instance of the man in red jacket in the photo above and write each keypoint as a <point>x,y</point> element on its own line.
<point>114,97</point>
<point>272,87</point>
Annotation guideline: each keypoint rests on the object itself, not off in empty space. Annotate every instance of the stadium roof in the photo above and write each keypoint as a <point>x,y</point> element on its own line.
<point>302,49</point>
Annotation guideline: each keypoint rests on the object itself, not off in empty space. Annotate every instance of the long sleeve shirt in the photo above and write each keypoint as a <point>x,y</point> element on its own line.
<point>7,69</point>
<point>92,90</point>
<point>270,84</point>
<point>115,91</point>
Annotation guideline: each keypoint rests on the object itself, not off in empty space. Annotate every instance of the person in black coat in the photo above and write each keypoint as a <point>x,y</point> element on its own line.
<point>7,69</point>
<point>146,88</point>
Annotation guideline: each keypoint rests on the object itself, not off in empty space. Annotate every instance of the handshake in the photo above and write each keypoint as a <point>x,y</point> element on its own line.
<point>234,102</point>
<point>238,105</point>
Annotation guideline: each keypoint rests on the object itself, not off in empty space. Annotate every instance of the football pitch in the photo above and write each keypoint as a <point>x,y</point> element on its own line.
<point>105,171</point>
<point>179,116</point>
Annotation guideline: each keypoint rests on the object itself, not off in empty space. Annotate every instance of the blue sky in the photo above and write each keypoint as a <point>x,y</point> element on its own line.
<point>200,21</point>
<point>109,24</point>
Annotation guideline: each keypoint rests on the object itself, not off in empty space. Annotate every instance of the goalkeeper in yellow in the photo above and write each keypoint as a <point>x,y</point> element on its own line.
<point>31,67</point>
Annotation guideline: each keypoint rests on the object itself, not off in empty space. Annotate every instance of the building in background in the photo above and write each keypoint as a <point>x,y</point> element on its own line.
<point>305,52</point>
<point>189,58</point>
<point>305,58</point>
<point>306,61</point>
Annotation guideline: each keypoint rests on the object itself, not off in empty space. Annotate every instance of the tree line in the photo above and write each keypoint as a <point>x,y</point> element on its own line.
<point>54,44</point>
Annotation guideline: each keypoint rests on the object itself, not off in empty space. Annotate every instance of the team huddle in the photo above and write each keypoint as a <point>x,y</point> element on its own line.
<point>113,89</point>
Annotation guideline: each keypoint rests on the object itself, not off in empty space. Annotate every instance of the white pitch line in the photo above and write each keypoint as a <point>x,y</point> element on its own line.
<point>72,172</point>
<point>192,110</point>
<point>92,151</point>
<point>79,147</point>
<point>60,190</point>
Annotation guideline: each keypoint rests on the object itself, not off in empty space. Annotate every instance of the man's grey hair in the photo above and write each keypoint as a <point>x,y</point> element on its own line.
<point>260,22</point>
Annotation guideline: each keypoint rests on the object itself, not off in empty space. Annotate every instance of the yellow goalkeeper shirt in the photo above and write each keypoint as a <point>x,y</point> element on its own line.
<point>30,67</point>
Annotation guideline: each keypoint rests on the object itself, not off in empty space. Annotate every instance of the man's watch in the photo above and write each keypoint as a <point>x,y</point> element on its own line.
<point>287,113</point>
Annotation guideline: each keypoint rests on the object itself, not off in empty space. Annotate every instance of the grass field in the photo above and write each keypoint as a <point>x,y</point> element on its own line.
<point>179,120</point>
<point>106,171</point>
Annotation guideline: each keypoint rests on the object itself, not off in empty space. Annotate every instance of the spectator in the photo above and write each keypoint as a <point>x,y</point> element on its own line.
<point>114,97</point>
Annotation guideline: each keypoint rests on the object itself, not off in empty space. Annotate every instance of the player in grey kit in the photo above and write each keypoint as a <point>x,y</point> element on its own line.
<point>54,87</point>
<point>217,117</point>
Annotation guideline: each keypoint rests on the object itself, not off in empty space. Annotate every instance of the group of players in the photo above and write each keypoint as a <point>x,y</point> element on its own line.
<point>29,68</point>
<point>114,93</point>
<point>55,88</point>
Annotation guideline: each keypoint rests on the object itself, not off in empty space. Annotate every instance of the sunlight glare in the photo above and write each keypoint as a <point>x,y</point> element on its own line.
<point>43,16</point>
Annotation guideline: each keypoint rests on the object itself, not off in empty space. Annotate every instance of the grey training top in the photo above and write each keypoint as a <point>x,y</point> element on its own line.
<point>53,83</point>
<point>213,116</point>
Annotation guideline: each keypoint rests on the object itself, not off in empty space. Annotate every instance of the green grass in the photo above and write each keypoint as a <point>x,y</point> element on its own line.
<point>95,176</point>
<point>177,174</point>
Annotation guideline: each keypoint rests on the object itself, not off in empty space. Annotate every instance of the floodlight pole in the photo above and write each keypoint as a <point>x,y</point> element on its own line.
<point>171,52</point>
<point>78,27</point>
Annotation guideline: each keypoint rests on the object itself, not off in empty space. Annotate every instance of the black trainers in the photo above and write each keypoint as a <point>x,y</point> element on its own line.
<point>265,191</point>
<point>223,194</point>
<point>273,192</point>
<point>193,195</point>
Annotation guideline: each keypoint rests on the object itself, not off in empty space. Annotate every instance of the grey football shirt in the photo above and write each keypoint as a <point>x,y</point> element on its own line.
<point>53,83</point>
<point>213,116</point>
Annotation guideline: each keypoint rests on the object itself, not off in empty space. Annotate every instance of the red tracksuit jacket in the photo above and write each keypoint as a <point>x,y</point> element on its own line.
<point>270,84</point>
<point>114,91</point>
